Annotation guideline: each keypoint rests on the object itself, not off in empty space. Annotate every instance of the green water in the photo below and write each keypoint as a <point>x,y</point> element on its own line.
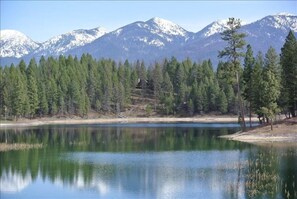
<point>183,160</point>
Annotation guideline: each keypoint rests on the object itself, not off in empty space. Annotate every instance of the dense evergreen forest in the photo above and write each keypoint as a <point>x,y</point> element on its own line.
<point>71,86</point>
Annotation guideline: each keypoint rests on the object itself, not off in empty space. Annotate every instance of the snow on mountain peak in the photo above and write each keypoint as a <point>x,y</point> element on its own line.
<point>162,22</point>
<point>15,44</point>
<point>166,26</point>
<point>11,34</point>
<point>64,42</point>
<point>282,21</point>
<point>215,27</point>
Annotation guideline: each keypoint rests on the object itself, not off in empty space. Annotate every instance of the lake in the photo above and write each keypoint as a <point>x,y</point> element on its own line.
<point>183,160</point>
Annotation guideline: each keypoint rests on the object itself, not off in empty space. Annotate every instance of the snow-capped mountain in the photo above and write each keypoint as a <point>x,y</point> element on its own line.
<point>140,40</point>
<point>153,40</point>
<point>268,31</point>
<point>15,44</point>
<point>282,21</point>
<point>213,28</point>
<point>61,44</point>
<point>166,29</point>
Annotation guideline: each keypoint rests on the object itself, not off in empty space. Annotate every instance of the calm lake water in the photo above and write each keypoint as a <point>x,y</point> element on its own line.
<point>183,160</point>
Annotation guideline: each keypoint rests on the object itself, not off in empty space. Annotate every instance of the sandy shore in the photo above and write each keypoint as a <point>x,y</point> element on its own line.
<point>284,132</point>
<point>49,121</point>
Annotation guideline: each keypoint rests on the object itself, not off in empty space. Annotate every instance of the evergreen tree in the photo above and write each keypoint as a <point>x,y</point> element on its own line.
<point>199,103</point>
<point>22,67</point>
<point>43,105</point>
<point>179,78</point>
<point>167,87</point>
<point>91,83</point>
<point>213,94</point>
<point>32,87</point>
<point>222,102</point>
<point>270,86</point>
<point>157,81</point>
<point>231,99</point>
<point>182,96</point>
<point>204,97</point>
<point>257,97</point>
<point>142,77</point>
<point>127,82</point>
<point>288,63</point>
<point>169,104</point>
<point>3,106</point>
<point>52,96</point>
<point>191,107</point>
<point>19,94</point>
<point>106,87</point>
<point>233,52</point>
<point>249,62</point>
<point>167,94</point>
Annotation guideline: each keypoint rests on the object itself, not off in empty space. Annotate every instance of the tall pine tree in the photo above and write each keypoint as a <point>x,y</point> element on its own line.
<point>288,63</point>
<point>233,52</point>
<point>270,86</point>
<point>32,87</point>
<point>249,62</point>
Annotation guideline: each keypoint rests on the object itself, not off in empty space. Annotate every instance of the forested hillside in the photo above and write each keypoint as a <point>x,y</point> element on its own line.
<point>72,86</point>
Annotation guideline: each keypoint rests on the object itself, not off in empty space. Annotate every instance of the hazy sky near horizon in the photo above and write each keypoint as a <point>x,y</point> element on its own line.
<point>41,20</point>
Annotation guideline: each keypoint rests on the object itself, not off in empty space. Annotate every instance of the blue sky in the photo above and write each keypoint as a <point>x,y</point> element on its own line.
<point>42,20</point>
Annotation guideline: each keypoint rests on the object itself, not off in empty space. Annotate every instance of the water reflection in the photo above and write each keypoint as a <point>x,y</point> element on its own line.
<point>166,174</point>
<point>143,162</point>
<point>11,182</point>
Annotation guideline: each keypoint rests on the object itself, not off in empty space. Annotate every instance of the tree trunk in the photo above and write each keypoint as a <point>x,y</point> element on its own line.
<point>271,124</point>
<point>292,112</point>
<point>240,102</point>
<point>250,114</point>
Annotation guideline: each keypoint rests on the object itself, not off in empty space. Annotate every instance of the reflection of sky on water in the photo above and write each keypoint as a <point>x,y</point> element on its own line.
<point>12,182</point>
<point>174,159</point>
<point>176,174</point>
<point>180,174</point>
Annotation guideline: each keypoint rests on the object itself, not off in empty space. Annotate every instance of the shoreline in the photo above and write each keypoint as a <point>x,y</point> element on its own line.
<point>69,121</point>
<point>284,132</point>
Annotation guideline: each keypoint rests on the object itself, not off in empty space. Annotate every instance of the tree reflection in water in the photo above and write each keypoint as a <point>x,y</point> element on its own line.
<point>148,162</point>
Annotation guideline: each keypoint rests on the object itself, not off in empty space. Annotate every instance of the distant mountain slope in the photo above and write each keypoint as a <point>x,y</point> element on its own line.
<point>61,44</point>
<point>150,41</point>
<point>139,40</point>
<point>268,31</point>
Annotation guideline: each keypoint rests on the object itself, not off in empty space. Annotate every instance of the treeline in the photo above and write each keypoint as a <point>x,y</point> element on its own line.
<point>72,86</point>
<point>270,83</point>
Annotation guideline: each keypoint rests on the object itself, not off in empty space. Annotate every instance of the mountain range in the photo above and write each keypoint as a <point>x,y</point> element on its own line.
<point>150,41</point>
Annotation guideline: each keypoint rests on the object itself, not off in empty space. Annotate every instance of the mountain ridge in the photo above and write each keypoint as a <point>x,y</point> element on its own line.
<point>157,38</point>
